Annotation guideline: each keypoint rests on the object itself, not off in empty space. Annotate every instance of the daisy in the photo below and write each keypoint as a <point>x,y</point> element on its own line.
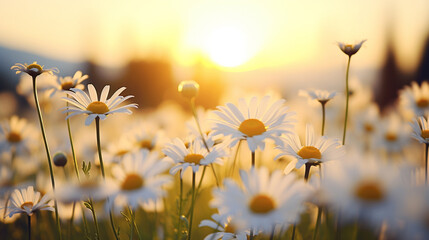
<point>366,189</point>
<point>27,201</point>
<point>320,95</point>
<point>264,201</point>
<point>16,134</point>
<point>253,122</point>
<point>194,156</point>
<point>138,179</point>
<point>95,107</point>
<point>225,229</point>
<point>117,150</point>
<point>315,150</point>
<point>350,49</point>
<point>67,83</point>
<point>33,69</point>
<point>87,188</point>
<point>392,134</point>
<point>415,98</point>
<point>420,130</point>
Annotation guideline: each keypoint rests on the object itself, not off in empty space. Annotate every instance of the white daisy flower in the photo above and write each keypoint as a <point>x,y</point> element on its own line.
<point>392,134</point>
<point>350,49</point>
<point>88,188</point>
<point>415,98</point>
<point>194,156</point>
<point>264,202</point>
<point>322,96</point>
<point>117,150</point>
<point>16,133</point>
<point>365,189</point>
<point>33,69</point>
<point>253,122</point>
<point>225,229</point>
<point>315,150</point>
<point>420,130</point>
<point>138,179</point>
<point>68,82</point>
<point>95,107</point>
<point>27,201</point>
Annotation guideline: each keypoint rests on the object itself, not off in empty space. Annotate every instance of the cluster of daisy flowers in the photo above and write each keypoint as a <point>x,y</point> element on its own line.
<point>257,167</point>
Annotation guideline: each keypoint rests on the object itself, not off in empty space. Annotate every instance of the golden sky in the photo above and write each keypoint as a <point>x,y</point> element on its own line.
<point>234,35</point>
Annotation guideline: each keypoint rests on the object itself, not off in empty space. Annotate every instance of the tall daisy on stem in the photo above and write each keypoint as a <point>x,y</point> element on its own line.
<point>96,109</point>
<point>322,97</point>
<point>62,85</point>
<point>421,133</point>
<point>349,50</point>
<point>189,89</point>
<point>253,122</point>
<point>313,153</point>
<point>194,156</point>
<point>35,70</point>
<point>28,201</point>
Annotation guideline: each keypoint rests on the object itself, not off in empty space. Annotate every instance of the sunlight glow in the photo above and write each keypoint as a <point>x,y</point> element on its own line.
<point>228,46</point>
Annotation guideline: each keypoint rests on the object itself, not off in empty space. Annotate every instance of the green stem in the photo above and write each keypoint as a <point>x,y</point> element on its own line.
<point>29,227</point>
<point>194,112</point>
<point>323,117</point>
<point>316,228</point>
<point>76,168</point>
<point>347,100</point>
<point>201,179</point>
<point>293,231</point>
<point>253,159</point>
<point>307,171</point>
<point>192,206</point>
<point>251,236</point>
<point>235,159</point>
<point>132,222</point>
<point>94,216</point>
<point>179,228</point>
<point>85,223</point>
<point>100,157</point>
<point>71,220</point>
<point>426,163</point>
<point>48,154</point>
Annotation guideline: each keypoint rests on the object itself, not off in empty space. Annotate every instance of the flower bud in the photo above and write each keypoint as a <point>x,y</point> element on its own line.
<point>189,89</point>
<point>60,159</point>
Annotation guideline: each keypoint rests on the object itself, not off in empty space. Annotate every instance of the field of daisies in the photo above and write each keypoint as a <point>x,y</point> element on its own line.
<point>87,163</point>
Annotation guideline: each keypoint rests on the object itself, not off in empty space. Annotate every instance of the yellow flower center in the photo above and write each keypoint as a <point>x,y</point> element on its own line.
<point>27,204</point>
<point>369,191</point>
<point>308,152</point>
<point>229,228</point>
<point>14,137</point>
<point>121,153</point>
<point>131,182</point>
<point>146,144</point>
<point>368,127</point>
<point>252,127</point>
<point>422,102</point>
<point>261,204</point>
<point>425,134</point>
<point>35,66</point>
<point>193,158</point>
<point>67,85</point>
<point>391,137</point>
<point>98,107</point>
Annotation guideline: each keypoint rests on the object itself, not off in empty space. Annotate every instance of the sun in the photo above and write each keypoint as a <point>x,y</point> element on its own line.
<point>228,46</point>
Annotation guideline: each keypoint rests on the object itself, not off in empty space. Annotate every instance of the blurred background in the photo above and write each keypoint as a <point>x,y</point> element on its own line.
<point>150,46</point>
